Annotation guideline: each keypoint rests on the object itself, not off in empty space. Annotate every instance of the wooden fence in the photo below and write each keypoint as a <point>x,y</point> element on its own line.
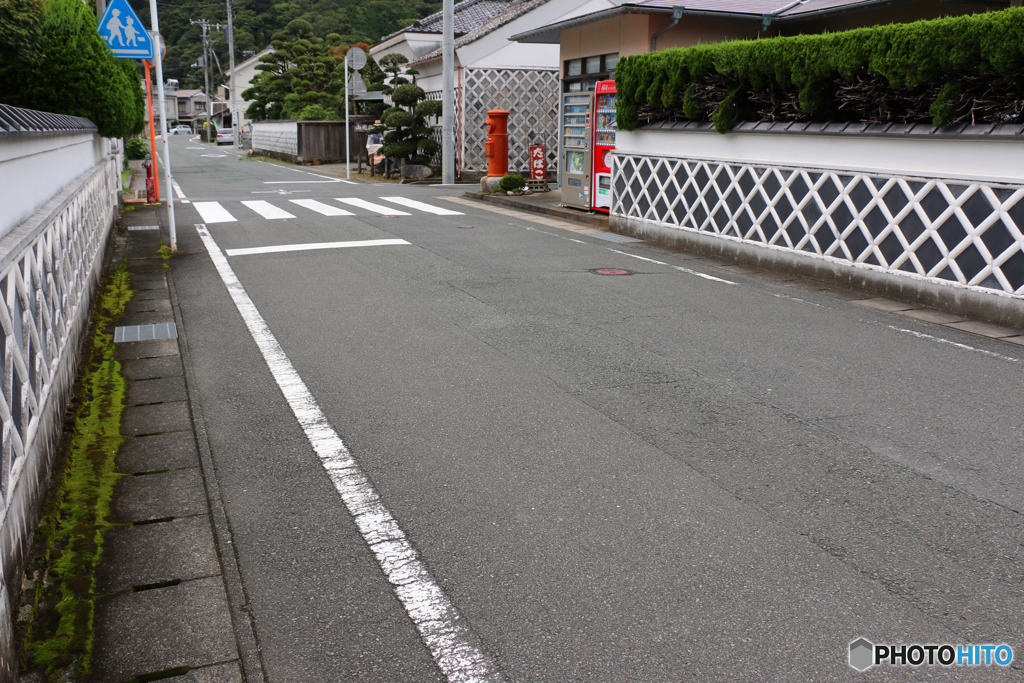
<point>325,140</point>
<point>307,141</point>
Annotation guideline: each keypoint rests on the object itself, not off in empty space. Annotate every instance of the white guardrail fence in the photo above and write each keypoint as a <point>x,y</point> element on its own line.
<point>50,266</point>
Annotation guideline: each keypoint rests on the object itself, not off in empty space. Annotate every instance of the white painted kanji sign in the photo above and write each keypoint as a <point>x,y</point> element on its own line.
<point>124,33</point>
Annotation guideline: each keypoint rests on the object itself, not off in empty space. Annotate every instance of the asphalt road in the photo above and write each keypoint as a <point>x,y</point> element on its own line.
<point>691,472</point>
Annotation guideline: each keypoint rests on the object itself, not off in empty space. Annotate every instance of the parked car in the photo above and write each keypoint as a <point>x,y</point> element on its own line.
<point>181,130</point>
<point>225,136</point>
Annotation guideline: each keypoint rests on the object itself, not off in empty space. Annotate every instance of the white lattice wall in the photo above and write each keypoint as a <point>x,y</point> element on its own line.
<point>530,97</point>
<point>437,129</point>
<point>964,233</point>
<point>276,137</point>
<point>49,269</point>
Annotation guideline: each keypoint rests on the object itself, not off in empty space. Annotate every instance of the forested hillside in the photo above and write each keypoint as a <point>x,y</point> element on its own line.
<point>257,20</point>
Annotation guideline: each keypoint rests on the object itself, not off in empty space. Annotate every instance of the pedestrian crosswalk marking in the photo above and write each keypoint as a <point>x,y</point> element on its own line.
<point>413,204</point>
<point>380,208</point>
<point>266,209</point>
<point>213,212</point>
<point>321,208</point>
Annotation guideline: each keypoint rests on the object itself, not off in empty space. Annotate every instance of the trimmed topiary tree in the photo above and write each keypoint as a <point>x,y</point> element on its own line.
<point>406,132</point>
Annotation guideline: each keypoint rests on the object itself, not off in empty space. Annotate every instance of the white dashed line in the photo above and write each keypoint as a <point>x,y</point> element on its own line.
<point>178,191</point>
<point>679,268</point>
<point>445,633</point>
<point>965,347</point>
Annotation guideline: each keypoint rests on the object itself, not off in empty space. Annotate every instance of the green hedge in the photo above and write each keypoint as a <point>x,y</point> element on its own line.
<point>935,70</point>
<point>75,72</point>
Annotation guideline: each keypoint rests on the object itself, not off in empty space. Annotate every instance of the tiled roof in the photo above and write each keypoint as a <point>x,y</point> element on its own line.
<point>997,131</point>
<point>758,8</point>
<point>468,15</point>
<point>513,10</point>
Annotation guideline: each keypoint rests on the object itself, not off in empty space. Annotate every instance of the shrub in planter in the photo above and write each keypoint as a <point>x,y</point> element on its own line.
<point>944,71</point>
<point>513,182</point>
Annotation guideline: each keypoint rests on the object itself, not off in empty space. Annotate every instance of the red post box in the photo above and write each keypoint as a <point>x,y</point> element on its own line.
<point>497,143</point>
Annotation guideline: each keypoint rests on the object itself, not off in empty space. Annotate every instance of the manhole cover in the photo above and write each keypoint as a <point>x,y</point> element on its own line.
<point>611,271</point>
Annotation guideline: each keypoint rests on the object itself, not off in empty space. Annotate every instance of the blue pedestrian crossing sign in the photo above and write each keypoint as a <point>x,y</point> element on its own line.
<point>124,33</point>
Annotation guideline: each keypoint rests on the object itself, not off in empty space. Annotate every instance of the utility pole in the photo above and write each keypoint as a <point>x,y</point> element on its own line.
<point>448,94</point>
<point>231,82</point>
<point>207,48</point>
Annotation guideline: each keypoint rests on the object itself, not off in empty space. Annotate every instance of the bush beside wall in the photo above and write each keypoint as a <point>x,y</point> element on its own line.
<point>952,70</point>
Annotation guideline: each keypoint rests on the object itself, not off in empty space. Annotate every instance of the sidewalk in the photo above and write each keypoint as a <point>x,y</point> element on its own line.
<point>169,571</point>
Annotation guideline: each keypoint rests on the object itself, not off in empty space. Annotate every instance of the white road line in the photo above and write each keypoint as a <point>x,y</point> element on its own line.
<point>965,347</point>
<point>298,182</point>
<point>445,633</point>
<point>337,180</point>
<point>311,246</point>
<point>413,204</point>
<point>178,191</point>
<point>679,268</point>
<point>266,209</point>
<point>320,207</point>
<point>793,298</point>
<point>379,208</point>
<point>213,212</point>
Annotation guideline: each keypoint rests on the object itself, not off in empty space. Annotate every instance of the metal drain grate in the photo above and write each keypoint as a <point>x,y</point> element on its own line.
<point>143,227</point>
<point>612,237</point>
<point>133,333</point>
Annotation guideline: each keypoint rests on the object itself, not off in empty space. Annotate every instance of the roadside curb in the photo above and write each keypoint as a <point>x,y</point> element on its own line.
<point>596,220</point>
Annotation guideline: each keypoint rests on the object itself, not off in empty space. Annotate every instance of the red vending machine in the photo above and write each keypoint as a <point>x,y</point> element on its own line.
<point>605,97</point>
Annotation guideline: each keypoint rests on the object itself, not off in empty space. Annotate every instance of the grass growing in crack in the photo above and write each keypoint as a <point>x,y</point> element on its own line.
<point>165,256</point>
<point>59,639</point>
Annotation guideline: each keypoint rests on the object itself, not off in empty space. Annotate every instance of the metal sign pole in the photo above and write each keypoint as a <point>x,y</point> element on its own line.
<point>158,58</point>
<point>348,156</point>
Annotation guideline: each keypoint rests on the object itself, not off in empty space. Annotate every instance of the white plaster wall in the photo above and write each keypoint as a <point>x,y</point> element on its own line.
<point>496,51</point>
<point>289,126</point>
<point>35,168</point>
<point>243,81</point>
<point>972,159</point>
<point>412,45</point>
<point>520,56</point>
